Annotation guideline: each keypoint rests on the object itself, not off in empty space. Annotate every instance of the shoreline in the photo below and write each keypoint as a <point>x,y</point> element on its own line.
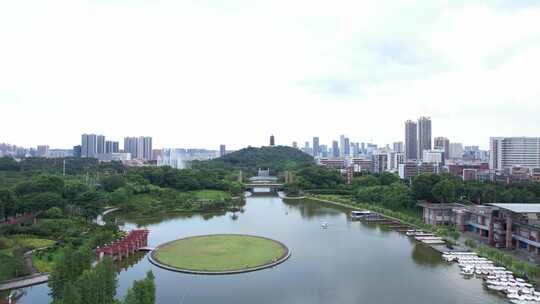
<point>439,248</point>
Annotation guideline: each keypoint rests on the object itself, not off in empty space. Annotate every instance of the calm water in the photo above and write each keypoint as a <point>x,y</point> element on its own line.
<point>350,262</point>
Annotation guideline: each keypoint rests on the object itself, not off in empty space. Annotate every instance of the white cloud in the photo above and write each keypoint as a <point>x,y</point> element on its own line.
<point>201,73</point>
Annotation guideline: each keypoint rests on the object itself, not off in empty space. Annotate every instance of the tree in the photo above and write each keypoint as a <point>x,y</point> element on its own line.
<point>422,186</point>
<point>41,183</point>
<point>388,178</point>
<point>365,181</point>
<point>370,194</point>
<point>317,177</point>
<point>120,196</point>
<point>111,183</point>
<point>8,164</point>
<point>292,188</point>
<point>143,291</point>
<point>235,188</point>
<point>40,201</point>
<point>53,213</point>
<point>71,294</point>
<point>7,203</point>
<point>107,280</point>
<point>444,191</point>
<point>91,203</point>
<point>489,194</point>
<point>68,265</point>
<point>397,196</point>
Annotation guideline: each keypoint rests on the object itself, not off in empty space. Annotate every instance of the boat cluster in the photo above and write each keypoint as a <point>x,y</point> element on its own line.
<point>495,278</point>
<point>425,237</point>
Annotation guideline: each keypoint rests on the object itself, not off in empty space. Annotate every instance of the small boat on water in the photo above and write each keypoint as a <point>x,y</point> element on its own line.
<point>355,214</point>
<point>324,225</point>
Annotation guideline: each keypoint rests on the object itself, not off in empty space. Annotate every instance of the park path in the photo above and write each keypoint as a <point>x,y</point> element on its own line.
<point>25,281</point>
<point>99,219</point>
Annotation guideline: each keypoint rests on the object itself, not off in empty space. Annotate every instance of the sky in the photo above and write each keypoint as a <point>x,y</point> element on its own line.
<point>201,73</point>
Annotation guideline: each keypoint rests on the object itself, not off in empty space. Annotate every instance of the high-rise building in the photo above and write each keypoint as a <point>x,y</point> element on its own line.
<point>324,151</point>
<point>335,149</point>
<point>509,152</point>
<point>442,143</point>
<point>140,148</point>
<point>433,156</point>
<point>111,146</point>
<point>456,151</point>
<point>144,148</point>
<point>130,146</point>
<point>156,154</point>
<point>42,151</point>
<point>411,142</point>
<point>424,135</point>
<point>355,149</point>
<point>307,148</point>
<point>295,144</point>
<point>346,147</point>
<point>380,163</point>
<point>172,157</point>
<point>222,150</point>
<point>395,159</point>
<point>316,150</point>
<point>89,144</point>
<point>100,144</point>
<point>341,145</point>
<point>77,151</point>
<point>272,140</point>
<point>398,147</point>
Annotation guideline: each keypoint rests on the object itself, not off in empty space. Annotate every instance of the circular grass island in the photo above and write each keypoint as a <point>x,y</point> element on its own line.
<point>220,254</point>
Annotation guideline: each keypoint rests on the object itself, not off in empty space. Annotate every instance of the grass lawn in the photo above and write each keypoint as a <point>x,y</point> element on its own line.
<point>24,241</point>
<point>42,264</point>
<point>219,252</point>
<point>211,194</point>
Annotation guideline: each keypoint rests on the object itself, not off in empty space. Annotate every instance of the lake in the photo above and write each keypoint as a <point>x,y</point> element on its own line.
<point>349,262</point>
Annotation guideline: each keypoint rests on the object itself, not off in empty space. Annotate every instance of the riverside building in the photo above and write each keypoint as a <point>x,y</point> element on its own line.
<point>510,226</point>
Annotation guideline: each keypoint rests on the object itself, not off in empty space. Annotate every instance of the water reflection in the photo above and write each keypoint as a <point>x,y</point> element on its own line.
<point>423,255</point>
<point>143,221</point>
<point>311,209</point>
<point>130,261</point>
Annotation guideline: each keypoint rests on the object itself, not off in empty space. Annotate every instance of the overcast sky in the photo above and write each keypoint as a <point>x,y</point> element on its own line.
<point>204,72</point>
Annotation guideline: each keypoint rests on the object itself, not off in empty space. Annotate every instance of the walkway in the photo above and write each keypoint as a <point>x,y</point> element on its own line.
<point>24,281</point>
<point>99,219</point>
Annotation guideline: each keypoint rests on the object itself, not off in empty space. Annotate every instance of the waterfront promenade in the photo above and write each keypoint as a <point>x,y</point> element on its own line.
<point>30,280</point>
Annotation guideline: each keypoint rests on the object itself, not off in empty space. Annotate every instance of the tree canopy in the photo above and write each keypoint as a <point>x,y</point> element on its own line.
<point>277,159</point>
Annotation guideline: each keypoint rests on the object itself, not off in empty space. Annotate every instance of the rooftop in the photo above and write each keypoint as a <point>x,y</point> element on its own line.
<point>440,206</point>
<point>519,208</point>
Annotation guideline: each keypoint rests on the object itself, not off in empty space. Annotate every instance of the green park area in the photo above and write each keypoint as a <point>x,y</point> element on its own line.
<point>219,253</point>
<point>12,250</point>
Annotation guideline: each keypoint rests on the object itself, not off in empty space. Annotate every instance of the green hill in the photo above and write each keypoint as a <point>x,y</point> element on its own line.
<point>277,158</point>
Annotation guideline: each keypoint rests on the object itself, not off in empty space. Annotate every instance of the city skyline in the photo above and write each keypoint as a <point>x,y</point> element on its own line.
<point>357,59</point>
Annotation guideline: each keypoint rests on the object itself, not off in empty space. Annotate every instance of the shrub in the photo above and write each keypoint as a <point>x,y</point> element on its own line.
<point>454,234</point>
<point>53,213</point>
<point>471,243</point>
